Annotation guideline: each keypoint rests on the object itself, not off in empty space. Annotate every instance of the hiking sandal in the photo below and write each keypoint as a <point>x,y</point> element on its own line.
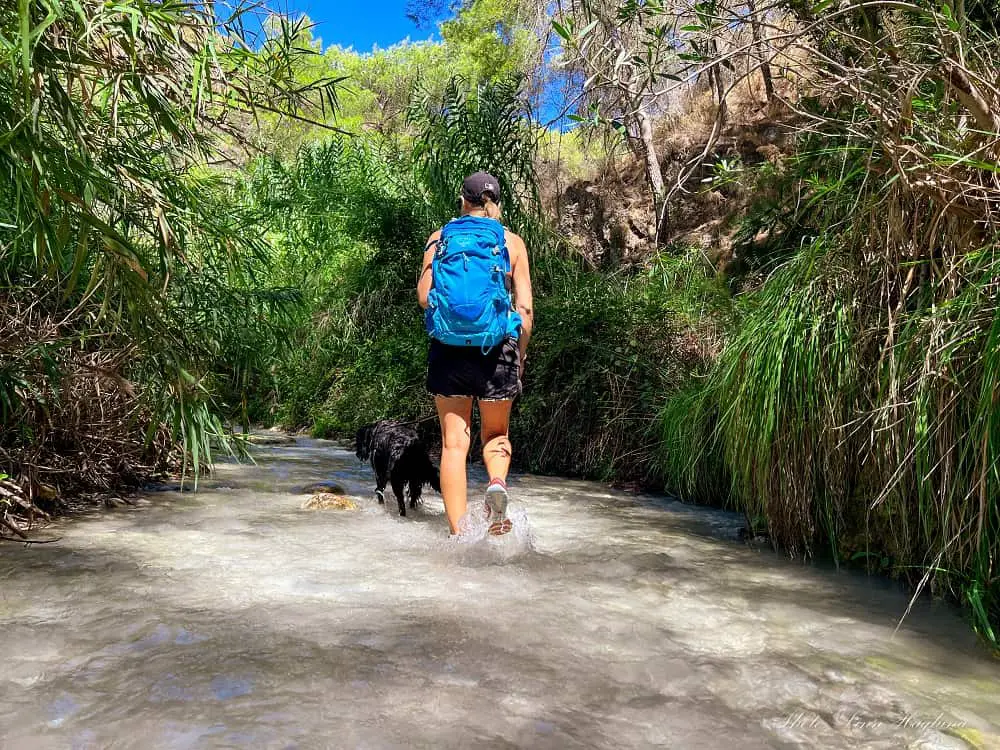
<point>496,508</point>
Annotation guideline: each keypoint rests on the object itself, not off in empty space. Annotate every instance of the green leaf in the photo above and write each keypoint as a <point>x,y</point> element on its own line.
<point>587,29</point>
<point>24,17</point>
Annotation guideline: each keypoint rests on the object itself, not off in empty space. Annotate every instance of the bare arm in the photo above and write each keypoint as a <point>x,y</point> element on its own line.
<point>425,281</point>
<point>523,301</point>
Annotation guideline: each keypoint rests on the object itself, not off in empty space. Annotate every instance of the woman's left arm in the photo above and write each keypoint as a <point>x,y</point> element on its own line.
<point>523,300</point>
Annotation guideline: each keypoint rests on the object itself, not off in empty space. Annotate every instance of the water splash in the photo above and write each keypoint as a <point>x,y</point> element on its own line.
<point>474,545</point>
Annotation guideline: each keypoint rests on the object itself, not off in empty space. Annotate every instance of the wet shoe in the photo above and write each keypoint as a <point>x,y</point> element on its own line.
<point>496,508</point>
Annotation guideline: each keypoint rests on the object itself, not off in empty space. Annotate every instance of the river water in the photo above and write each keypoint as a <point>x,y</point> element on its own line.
<point>233,618</point>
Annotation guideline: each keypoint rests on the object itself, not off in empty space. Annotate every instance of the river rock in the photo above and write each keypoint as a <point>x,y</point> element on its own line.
<point>329,501</point>
<point>319,487</point>
<point>116,501</point>
<point>168,487</point>
<point>270,438</point>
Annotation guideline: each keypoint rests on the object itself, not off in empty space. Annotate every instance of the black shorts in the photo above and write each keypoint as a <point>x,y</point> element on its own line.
<point>464,371</point>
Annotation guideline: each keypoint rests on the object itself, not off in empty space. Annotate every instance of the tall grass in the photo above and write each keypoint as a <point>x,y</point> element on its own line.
<point>347,224</point>
<point>854,405</point>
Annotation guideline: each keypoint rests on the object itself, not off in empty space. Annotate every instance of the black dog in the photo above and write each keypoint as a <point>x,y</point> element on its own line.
<point>398,457</point>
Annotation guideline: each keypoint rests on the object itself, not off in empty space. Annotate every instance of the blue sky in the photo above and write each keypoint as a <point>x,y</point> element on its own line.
<point>361,24</point>
<point>357,23</point>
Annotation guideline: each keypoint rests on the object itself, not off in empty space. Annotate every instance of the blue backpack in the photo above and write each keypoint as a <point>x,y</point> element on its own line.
<point>470,303</point>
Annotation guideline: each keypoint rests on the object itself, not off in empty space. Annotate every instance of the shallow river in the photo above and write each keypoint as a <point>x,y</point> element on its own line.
<point>232,618</point>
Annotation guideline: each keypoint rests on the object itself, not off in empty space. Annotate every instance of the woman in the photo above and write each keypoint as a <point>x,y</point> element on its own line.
<point>485,363</point>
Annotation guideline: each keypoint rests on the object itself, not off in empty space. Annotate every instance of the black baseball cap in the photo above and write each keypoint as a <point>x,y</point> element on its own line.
<point>479,184</point>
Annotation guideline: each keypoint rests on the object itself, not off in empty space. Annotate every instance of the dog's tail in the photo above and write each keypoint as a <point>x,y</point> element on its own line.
<point>430,472</point>
<point>419,465</point>
<point>434,476</point>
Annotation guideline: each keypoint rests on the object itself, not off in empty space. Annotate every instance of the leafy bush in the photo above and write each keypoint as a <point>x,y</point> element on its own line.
<point>128,286</point>
<point>348,223</point>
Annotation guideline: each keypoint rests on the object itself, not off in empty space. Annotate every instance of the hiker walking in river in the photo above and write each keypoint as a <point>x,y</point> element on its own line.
<point>475,289</point>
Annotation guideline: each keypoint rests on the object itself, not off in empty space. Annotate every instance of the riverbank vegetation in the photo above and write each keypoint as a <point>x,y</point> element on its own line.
<point>132,295</point>
<point>764,241</point>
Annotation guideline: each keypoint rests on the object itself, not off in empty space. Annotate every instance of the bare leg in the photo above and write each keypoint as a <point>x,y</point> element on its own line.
<point>455,415</point>
<point>496,455</point>
<point>495,417</point>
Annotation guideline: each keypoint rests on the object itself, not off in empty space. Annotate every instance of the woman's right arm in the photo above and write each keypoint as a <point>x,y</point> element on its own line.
<point>426,280</point>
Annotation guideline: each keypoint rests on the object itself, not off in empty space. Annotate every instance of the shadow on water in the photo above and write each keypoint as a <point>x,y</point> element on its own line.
<point>404,679</point>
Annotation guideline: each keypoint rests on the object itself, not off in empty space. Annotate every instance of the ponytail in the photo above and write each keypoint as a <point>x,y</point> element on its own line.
<point>492,209</point>
<point>486,204</point>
